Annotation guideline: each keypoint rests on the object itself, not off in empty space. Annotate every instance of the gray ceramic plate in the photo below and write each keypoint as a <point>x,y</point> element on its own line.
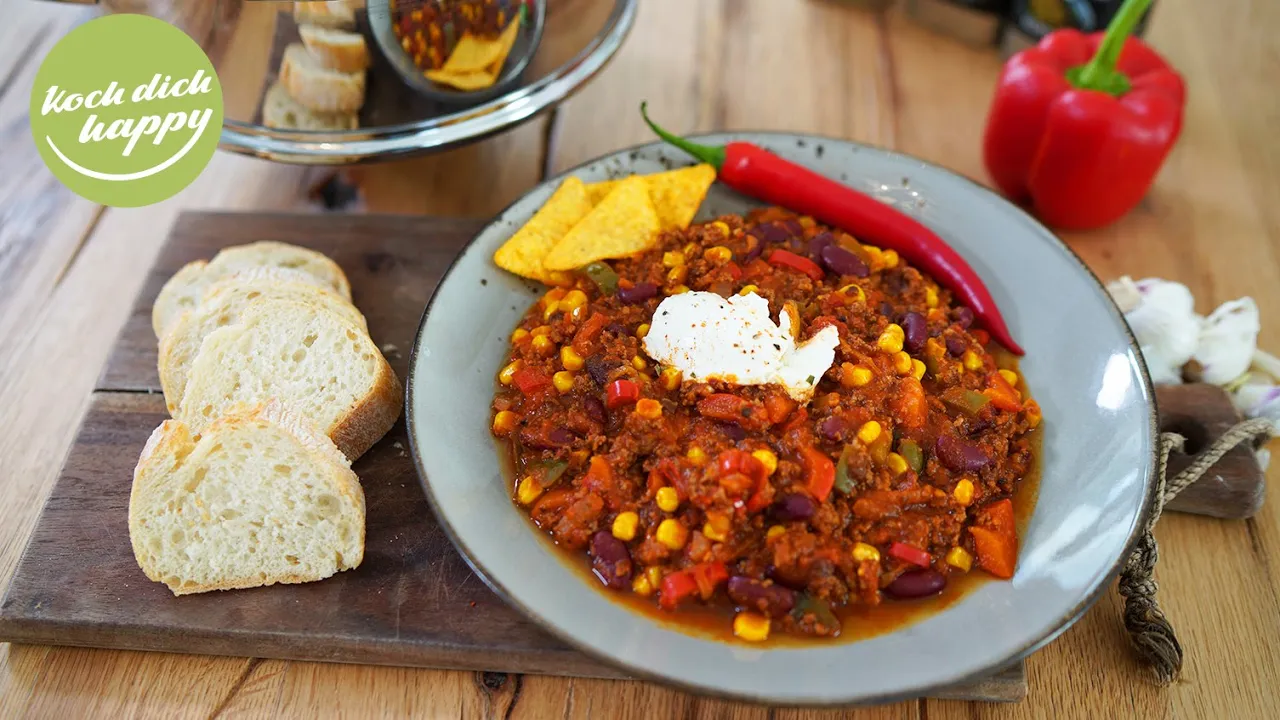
<point>1081,365</point>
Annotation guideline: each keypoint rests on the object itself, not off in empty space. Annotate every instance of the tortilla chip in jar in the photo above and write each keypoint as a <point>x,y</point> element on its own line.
<point>467,82</point>
<point>676,194</point>
<point>523,252</point>
<point>474,54</point>
<point>624,223</point>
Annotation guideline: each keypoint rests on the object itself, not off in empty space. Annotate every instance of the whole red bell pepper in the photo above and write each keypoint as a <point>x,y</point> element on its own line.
<point>1080,124</point>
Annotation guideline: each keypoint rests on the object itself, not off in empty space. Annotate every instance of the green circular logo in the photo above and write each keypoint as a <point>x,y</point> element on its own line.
<point>126,110</point>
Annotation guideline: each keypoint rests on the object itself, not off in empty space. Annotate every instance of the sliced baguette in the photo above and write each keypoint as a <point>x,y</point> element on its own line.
<point>281,111</point>
<point>311,359</point>
<point>222,305</point>
<point>316,87</point>
<point>333,14</point>
<point>261,497</point>
<point>183,291</point>
<point>336,49</point>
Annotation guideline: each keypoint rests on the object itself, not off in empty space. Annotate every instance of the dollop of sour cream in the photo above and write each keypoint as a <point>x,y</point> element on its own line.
<point>734,340</point>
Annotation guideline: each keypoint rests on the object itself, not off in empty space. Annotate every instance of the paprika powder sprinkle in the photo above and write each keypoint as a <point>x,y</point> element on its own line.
<point>761,174</point>
<point>1080,124</point>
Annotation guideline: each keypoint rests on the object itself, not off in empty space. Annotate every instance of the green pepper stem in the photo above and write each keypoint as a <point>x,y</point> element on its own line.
<point>1100,73</point>
<point>714,155</point>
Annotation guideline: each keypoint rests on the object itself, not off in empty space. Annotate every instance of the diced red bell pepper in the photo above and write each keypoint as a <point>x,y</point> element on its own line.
<point>778,407</point>
<point>788,259</point>
<point>621,392</point>
<point>701,579</point>
<point>530,381</point>
<point>739,462</point>
<point>910,554</point>
<point>820,473</point>
<point>1080,124</point>
<point>724,406</point>
<point>735,272</point>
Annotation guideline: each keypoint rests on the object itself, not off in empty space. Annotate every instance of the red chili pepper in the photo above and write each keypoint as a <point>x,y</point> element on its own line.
<point>530,381</point>
<point>910,554</point>
<point>821,473</point>
<point>761,174</point>
<point>701,579</point>
<point>1080,124</point>
<point>788,259</point>
<point>621,392</point>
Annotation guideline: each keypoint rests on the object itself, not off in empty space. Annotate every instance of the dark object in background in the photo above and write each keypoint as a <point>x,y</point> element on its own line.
<point>976,22</point>
<point>1030,20</point>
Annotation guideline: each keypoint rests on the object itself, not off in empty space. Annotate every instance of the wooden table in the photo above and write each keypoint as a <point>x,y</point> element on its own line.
<point>69,271</point>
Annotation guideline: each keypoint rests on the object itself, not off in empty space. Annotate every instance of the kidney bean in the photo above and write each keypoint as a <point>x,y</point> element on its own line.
<point>540,439</point>
<point>956,345</point>
<point>793,227</point>
<point>594,409</point>
<point>887,310</point>
<point>734,432</point>
<point>599,368</point>
<point>617,329</point>
<point>768,598</point>
<point>915,331</point>
<point>794,507</point>
<point>842,262</point>
<point>956,454</point>
<point>820,242</point>
<point>610,560</point>
<point>754,247</point>
<point>771,233</point>
<point>963,316</point>
<point>637,293</point>
<point>917,584</point>
<point>833,428</point>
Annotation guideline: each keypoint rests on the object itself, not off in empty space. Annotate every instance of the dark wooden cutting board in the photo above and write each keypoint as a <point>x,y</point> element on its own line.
<point>412,602</point>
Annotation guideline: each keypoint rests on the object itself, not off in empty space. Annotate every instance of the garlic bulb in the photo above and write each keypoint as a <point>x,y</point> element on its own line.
<point>1228,338</point>
<point>1162,316</point>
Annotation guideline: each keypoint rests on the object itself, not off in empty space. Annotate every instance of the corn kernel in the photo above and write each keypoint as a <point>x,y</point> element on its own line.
<point>570,358</point>
<point>624,526</point>
<point>766,458</point>
<point>917,369</point>
<point>875,257</point>
<point>649,408</point>
<point>863,552</point>
<point>563,381</point>
<point>677,274</point>
<point>509,371</point>
<point>542,344</point>
<point>541,330</point>
<point>549,309</point>
<point>654,574</point>
<point>696,455</point>
<point>890,258</point>
<point>667,499</point>
<point>642,331</point>
<point>638,363</point>
<point>679,289</point>
<point>960,559</point>
<point>529,490</point>
<point>963,492</point>
<point>504,422</point>
<point>869,432</point>
<point>553,296</point>
<point>855,291</point>
<point>854,375</point>
<point>930,296</point>
<point>716,528</point>
<point>672,534</point>
<point>971,360</point>
<point>1010,377</point>
<point>750,626</point>
<point>672,258</point>
<point>1032,409</point>
<point>670,378</point>
<point>806,222</point>
<point>573,300</point>
<point>901,363</point>
<point>519,334</point>
<point>690,250</point>
<point>890,340</point>
<point>722,227</point>
<point>896,463</point>
<point>774,532</point>
<point>719,254</point>
<point>748,289</point>
<point>641,586</point>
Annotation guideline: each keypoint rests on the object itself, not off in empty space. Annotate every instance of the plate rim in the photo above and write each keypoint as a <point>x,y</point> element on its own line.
<point>1069,619</point>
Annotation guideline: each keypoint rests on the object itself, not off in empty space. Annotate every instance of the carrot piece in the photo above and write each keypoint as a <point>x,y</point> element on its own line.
<point>997,553</point>
<point>778,407</point>
<point>1002,394</point>
<point>910,406</point>
<point>821,473</point>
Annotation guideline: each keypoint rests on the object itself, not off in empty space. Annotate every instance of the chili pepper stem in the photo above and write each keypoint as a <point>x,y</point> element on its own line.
<point>715,156</point>
<point>1100,73</point>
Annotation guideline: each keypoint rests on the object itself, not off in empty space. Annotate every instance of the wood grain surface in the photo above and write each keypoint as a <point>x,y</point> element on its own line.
<point>69,271</point>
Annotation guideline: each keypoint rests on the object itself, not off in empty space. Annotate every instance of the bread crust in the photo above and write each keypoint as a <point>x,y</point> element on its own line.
<point>336,49</point>
<point>316,88</point>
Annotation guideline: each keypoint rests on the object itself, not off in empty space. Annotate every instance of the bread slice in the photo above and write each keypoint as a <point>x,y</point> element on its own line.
<point>311,359</point>
<point>222,305</point>
<point>261,497</point>
<point>315,86</point>
<point>334,14</point>
<point>183,291</point>
<point>336,49</point>
<point>282,112</point>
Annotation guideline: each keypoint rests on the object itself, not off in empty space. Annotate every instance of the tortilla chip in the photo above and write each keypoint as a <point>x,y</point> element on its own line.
<point>624,223</point>
<point>523,253</point>
<point>468,82</point>
<point>473,54</point>
<point>676,194</point>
